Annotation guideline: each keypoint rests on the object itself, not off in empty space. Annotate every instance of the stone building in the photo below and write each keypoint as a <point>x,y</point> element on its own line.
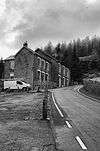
<point>9,65</point>
<point>36,67</point>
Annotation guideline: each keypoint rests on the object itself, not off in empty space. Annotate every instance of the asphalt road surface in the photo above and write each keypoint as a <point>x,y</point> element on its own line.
<point>82,117</point>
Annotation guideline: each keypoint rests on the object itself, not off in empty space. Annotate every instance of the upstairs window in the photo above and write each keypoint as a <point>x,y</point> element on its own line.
<point>12,64</point>
<point>63,70</point>
<point>39,62</point>
<point>43,64</point>
<point>39,75</point>
<point>47,66</point>
<point>46,77</point>
<point>42,77</point>
<point>67,72</point>
<point>59,67</point>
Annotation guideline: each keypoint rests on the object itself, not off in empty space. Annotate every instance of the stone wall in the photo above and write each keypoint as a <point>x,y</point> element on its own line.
<point>24,60</point>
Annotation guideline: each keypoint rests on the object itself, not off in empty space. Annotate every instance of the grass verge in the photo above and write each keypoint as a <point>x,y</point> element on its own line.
<point>82,90</point>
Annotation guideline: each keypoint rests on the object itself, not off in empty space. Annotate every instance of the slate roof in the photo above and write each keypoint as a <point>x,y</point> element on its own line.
<point>33,52</point>
<point>12,57</point>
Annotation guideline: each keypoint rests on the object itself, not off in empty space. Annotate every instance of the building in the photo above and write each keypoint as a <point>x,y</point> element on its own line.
<point>37,68</point>
<point>9,65</point>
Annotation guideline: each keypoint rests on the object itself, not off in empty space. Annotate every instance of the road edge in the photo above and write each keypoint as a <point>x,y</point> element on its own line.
<point>77,89</point>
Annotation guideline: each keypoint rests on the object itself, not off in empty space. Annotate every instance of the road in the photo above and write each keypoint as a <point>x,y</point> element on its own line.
<point>82,117</point>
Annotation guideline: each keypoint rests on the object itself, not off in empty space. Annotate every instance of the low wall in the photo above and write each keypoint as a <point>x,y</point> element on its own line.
<point>92,86</point>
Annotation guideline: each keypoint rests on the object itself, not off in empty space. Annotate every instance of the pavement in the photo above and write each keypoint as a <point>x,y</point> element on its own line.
<point>76,121</point>
<point>21,124</point>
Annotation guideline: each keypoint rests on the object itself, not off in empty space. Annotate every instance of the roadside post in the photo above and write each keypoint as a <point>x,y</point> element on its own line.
<point>45,100</point>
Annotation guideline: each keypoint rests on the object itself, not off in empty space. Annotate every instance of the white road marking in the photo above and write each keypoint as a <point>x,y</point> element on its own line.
<point>81,143</point>
<point>68,124</point>
<point>57,106</point>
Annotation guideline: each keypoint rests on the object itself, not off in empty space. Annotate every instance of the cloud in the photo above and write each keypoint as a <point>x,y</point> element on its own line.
<point>41,20</point>
<point>2,8</point>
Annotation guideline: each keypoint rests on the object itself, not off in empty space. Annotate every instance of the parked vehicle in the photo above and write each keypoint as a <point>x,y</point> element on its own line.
<point>16,85</point>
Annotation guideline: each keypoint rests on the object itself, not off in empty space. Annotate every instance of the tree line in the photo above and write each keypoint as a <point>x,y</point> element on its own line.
<point>70,53</point>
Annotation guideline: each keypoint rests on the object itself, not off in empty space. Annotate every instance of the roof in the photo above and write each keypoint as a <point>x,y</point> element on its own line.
<point>30,50</point>
<point>12,57</point>
<point>37,50</point>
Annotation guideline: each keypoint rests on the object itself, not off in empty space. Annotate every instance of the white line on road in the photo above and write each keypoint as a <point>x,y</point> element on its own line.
<point>81,143</point>
<point>57,106</point>
<point>68,124</point>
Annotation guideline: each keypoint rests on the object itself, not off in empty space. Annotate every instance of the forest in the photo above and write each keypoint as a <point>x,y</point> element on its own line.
<point>81,56</point>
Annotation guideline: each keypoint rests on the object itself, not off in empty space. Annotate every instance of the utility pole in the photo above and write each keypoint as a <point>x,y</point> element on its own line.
<point>45,100</point>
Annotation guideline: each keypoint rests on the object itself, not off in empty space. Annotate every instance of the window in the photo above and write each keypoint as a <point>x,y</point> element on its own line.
<point>46,77</point>
<point>42,77</point>
<point>47,66</point>
<point>12,75</point>
<point>12,64</point>
<point>63,81</point>
<point>39,75</point>
<point>59,81</point>
<point>67,73</point>
<point>39,62</point>
<point>19,82</point>
<point>63,70</point>
<point>43,64</point>
<point>59,67</point>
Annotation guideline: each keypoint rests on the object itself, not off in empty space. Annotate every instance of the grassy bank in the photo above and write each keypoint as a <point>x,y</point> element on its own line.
<point>89,94</point>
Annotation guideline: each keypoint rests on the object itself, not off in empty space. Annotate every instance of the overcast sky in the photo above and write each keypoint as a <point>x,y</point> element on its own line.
<point>39,21</point>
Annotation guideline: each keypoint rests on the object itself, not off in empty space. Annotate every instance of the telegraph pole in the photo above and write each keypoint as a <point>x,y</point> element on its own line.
<point>45,100</point>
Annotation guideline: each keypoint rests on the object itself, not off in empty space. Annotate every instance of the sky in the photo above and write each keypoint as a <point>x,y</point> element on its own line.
<point>40,21</point>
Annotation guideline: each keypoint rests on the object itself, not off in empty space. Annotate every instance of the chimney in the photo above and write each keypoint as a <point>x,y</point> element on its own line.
<point>25,44</point>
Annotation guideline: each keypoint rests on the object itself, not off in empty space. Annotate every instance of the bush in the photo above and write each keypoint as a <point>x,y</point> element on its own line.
<point>92,86</point>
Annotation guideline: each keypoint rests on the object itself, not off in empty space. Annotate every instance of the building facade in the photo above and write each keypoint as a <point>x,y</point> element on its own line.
<point>9,65</point>
<point>36,68</point>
